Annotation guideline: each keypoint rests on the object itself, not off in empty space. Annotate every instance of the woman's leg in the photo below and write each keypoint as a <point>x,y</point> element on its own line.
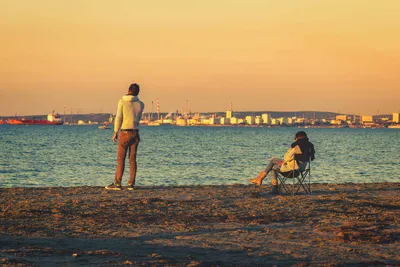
<point>273,163</point>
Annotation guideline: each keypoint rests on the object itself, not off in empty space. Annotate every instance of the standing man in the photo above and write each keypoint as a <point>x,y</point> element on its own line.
<point>128,117</point>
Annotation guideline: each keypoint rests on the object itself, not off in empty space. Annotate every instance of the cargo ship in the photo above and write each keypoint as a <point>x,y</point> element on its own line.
<point>52,119</point>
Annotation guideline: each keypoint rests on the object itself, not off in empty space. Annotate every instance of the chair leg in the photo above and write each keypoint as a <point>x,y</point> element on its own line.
<point>293,187</point>
<point>302,183</point>
<point>299,182</point>
<point>283,188</point>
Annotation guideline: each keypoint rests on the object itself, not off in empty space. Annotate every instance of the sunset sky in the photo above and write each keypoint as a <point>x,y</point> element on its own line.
<point>282,55</point>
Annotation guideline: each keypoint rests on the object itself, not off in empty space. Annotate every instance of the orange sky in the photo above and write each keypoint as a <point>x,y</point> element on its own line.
<point>331,55</point>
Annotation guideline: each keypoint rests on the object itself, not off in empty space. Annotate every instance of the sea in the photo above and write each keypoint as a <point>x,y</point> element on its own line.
<point>83,155</point>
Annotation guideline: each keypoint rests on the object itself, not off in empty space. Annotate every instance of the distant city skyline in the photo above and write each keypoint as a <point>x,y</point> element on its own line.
<point>290,113</point>
<point>333,56</point>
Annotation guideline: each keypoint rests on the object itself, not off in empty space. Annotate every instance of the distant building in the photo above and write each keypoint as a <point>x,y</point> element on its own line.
<point>341,117</point>
<point>224,121</point>
<point>234,120</point>
<point>214,120</point>
<point>181,122</point>
<point>229,113</point>
<point>396,117</point>
<point>250,120</point>
<point>336,122</point>
<point>285,120</point>
<point>195,121</point>
<point>209,121</point>
<point>266,118</point>
<point>167,121</point>
<point>384,119</point>
<point>258,120</point>
<point>355,119</point>
<point>367,119</point>
<point>274,121</point>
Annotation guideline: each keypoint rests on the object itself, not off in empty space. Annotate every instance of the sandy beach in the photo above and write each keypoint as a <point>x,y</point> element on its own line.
<point>238,225</point>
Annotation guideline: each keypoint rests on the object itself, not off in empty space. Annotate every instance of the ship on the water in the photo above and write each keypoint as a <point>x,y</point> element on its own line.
<point>108,124</point>
<point>52,119</point>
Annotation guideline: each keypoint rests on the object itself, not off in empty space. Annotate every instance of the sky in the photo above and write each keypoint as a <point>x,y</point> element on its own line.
<point>81,56</point>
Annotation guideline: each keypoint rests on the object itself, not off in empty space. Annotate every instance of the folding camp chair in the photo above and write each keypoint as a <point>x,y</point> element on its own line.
<point>299,180</point>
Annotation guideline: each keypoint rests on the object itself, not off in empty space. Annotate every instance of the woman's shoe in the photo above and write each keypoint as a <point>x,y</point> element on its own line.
<point>274,190</point>
<point>258,180</point>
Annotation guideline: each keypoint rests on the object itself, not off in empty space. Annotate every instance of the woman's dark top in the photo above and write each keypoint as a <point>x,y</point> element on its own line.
<point>307,149</point>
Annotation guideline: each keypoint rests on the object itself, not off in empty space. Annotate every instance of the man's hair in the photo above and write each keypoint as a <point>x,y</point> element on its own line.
<point>134,89</point>
<point>301,134</point>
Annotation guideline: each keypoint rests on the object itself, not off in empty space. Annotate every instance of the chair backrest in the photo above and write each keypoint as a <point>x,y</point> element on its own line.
<point>307,166</point>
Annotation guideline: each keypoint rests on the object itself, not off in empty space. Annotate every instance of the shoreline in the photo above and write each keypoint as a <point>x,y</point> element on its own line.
<point>201,225</point>
<point>266,186</point>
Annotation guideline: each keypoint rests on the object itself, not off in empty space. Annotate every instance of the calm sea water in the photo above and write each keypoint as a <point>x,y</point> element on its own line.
<point>66,155</point>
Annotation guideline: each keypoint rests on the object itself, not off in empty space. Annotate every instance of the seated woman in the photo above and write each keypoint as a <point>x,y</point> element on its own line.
<point>297,158</point>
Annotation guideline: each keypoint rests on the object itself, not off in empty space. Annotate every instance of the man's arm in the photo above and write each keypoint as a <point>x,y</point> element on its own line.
<point>141,110</point>
<point>118,121</point>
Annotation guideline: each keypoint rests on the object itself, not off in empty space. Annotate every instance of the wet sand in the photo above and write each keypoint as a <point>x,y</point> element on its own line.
<point>238,225</point>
